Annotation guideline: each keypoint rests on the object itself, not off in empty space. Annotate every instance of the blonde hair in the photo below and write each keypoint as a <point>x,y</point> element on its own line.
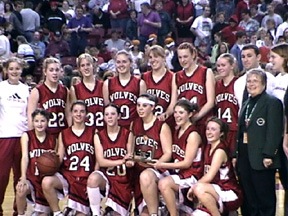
<point>48,61</point>
<point>157,51</point>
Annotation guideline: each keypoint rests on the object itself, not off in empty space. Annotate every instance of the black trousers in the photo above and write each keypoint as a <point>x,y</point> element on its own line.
<point>259,189</point>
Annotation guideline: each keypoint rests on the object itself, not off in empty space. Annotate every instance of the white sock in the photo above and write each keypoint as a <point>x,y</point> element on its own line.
<point>57,213</point>
<point>21,214</point>
<point>94,199</point>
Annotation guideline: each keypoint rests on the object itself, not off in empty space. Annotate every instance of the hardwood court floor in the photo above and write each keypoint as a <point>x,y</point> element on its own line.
<point>9,197</point>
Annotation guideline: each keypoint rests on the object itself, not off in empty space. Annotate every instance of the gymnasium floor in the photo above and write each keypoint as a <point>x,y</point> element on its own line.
<point>7,205</point>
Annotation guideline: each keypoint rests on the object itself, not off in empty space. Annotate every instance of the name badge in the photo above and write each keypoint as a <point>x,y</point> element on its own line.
<point>245,138</point>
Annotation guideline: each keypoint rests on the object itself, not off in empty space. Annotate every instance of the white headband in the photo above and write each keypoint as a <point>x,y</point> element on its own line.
<point>145,100</point>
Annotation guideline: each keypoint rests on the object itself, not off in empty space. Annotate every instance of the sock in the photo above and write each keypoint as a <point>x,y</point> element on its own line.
<point>57,213</point>
<point>94,199</point>
<point>21,214</point>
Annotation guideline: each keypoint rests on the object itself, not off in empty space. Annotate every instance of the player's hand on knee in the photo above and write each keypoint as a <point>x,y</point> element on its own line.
<point>22,186</point>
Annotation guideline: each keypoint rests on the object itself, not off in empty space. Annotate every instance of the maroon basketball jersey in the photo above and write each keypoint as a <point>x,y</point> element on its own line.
<point>161,89</point>
<point>55,103</point>
<point>36,149</point>
<point>148,140</point>
<point>227,104</point>
<point>115,150</point>
<point>79,159</point>
<point>225,176</point>
<point>178,154</point>
<point>193,88</point>
<point>125,97</point>
<point>94,101</point>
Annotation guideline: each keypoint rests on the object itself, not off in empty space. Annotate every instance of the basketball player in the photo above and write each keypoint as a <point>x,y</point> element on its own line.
<point>76,150</point>
<point>186,154</point>
<point>124,89</point>
<point>218,190</point>
<point>13,122</point>
<point>195,83</point>
<point>33,144</point>
<point>153,139</point>
<point>161,83</point>
<point>113,145</point>
<point>90,91</point>
<point>226,103</point>
<point>51,96</point>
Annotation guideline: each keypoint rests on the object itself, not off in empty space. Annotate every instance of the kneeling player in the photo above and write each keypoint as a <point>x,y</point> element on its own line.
<point>76,149</point>
<point>113,146</point>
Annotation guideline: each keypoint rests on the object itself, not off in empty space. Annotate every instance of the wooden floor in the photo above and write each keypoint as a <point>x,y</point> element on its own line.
<point>9,197</point>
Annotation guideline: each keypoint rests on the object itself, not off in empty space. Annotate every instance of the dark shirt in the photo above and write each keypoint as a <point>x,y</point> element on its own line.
<point>165,23</point>
<point>103,19</point>
<point>55,20</point>
<point>57,47</point>
<point>131,29</point>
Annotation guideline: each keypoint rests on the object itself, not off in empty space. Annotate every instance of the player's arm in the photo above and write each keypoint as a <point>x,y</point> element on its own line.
<point>103,162</point>
<point>61,148</point>
<point>166,143</point>
<point>143,87</point>
<point>210,95</point>
<point>193,143</point>
<point>218,159</point>
<point>25,157</point>
<point>72,94</point>
<point>173,100</point>
<point>105,92</point>
<point>32,105</point>
<point>67,110</point>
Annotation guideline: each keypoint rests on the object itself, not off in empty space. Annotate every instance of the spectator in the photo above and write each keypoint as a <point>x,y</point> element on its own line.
<point>54,19</point>
<point>31,21</point>
<point>57,46</point>
<point>79,27</point>
<point>5,51</point>
<point>100,19</point>
<point>152,40</point>
<point>115,41</point>
<point>148,23</point>
<point>221,49</point>
<point>8,9</point>
<point>26,52</point>
<point>241,5</point>
<point>261,33</point>
<point>282,26</point>
<point>103,52</point>
<point>199,6</point>
<point>11,34</point>
<point>184,17</point>
<point>67,11</point>
<point>271,28</point>
<point>98,3</point>
<point>229,32</point>
<point>219,25</point>
<point>166,23</point>
<point>256,14</point>
<point>237,47</point>
<point>202,27</point>
<point>131,28</point>
<point>250,25</point>
<point>170,52</point>
<point>271,15</point>
<point>118,10</point>
<point>16,19</point>
<point>227,7</point>
<point>38,46</point>
<point>136,54</point>
<point>170,7</point>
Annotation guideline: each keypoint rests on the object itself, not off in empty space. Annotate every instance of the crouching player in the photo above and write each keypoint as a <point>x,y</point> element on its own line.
<point>76,150</point>
<point>33,144</point>
<point>217,191</point>
<point>113,147</point>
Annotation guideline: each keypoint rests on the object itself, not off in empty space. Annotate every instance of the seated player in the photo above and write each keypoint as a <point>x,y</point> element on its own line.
<point>113,145</point>
<point>153,141</point>
<point>217,191</point>
<point>33,144</point>
<point>186,167</point>
<point>76,151</point>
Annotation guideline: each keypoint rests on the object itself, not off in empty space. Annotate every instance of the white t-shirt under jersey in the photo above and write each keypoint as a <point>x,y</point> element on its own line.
<point>281,83</point>
<point>13,109</point>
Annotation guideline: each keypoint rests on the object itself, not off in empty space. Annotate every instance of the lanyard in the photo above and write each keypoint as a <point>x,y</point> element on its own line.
<point>247,118</point>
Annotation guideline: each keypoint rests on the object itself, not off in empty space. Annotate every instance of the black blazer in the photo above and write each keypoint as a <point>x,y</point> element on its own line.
<point>264,132</point>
